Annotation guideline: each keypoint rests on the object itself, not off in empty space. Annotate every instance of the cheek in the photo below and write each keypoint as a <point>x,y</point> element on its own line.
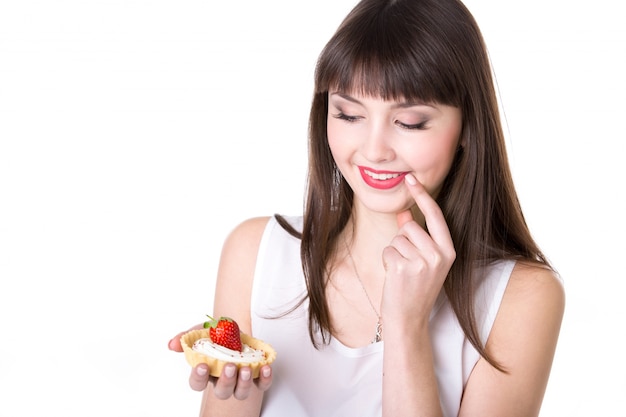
<point>433,161</point>
<point>435,156</point>
<point>336,139</point>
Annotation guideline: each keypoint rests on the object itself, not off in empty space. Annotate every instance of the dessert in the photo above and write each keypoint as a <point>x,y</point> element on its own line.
<point>221,342</point>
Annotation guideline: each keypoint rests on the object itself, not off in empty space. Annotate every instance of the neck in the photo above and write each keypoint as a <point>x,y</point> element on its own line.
<point>366,235</point>
<point>374,229</point>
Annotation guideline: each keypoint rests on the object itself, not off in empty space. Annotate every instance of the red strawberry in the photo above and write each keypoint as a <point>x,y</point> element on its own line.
<point>224,332</point>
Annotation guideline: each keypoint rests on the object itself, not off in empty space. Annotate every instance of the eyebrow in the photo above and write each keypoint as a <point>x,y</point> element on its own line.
<point>400,105</point>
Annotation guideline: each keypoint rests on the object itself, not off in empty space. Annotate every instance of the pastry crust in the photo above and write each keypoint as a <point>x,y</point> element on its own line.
<point>215,365</point>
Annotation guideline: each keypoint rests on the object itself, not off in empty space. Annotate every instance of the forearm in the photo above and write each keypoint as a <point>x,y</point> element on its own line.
<point>409,381</point>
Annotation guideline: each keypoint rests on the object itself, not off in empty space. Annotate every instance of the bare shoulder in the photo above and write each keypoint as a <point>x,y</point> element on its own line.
<point>235,275</point>
<point>241,246</point>
<point>523,341</point>
<point>247,234</point>
<point>535,283</point>
<point>532,306</point>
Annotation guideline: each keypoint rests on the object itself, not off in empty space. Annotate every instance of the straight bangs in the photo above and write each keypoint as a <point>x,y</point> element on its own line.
<point>371,57</point>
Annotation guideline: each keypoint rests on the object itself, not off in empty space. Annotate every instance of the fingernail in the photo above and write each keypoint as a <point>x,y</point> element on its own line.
<point>410,179</point>
<point>266,372</point>
<point>229,371</point>
<point>169,344</point>
<point>244,374</point>
<point>201,370</point>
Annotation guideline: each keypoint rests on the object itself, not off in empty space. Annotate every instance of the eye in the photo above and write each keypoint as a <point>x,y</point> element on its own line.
<point>342,116</point>
<point>416,126</point>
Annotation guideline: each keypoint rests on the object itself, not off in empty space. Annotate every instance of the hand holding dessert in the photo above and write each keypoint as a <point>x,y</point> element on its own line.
<point>230,360</point>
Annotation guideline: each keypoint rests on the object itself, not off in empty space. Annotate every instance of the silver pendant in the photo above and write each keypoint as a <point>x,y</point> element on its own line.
<point>379,333</point>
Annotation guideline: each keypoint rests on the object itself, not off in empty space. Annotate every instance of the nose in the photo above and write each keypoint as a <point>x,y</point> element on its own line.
<point>377,145</point>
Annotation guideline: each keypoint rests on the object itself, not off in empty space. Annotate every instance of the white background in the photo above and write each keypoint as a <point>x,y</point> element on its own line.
<point>135,134</point>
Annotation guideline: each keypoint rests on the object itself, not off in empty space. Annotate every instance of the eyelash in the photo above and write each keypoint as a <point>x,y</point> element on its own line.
<point>417,126</point>
<point>343,116</point>
<point>352,119</point>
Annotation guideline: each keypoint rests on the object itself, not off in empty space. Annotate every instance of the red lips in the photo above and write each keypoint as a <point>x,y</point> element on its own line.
<point>384,180</point>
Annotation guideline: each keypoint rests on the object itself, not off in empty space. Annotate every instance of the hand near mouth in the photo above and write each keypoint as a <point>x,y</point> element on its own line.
<point>416,261</point>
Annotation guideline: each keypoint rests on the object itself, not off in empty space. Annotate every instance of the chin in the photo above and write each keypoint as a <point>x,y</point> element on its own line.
<point>386,205</point>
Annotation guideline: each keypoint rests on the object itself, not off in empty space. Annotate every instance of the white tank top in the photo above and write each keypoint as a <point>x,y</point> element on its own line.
<point>336,380</point>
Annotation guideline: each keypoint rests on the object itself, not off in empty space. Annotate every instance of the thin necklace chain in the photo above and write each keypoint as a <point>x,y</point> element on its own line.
<point>379,326</point>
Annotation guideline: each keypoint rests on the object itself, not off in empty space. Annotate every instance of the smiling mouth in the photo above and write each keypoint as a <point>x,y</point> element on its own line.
<point>381,180</point>
<point>380,176</point>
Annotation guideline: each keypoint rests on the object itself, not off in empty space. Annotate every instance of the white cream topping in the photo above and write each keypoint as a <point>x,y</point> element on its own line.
<point>380,176</point>
<point>247,355</point>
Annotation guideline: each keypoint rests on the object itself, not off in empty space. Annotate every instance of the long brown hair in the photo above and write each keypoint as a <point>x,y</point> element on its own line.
<point>432,51</point>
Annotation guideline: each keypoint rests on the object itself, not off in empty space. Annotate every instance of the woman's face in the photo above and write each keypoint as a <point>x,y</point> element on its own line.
<point>375,143</point>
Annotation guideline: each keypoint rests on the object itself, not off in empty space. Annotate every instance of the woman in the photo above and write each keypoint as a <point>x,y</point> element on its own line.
<point>412,255</point>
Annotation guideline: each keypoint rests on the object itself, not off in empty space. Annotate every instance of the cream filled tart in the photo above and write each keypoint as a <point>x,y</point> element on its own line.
<point>206,346</point>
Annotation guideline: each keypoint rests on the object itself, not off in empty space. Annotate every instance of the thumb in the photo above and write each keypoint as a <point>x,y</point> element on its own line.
<point>174,343</point>
<point>404,217</point>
